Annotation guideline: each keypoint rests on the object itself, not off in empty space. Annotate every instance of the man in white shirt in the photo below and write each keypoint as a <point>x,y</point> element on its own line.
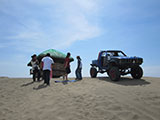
<point>47,64</point>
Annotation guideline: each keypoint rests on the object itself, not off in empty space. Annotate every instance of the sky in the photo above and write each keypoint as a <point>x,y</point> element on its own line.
<point>82,27</point>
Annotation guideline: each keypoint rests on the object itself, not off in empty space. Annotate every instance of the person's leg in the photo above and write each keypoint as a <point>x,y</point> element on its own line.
<point>68,72</point>
<point>66,76</point>
<point>49,72</point>
<point>76,73</point>
<point>34,75</point>
<point>44,76</point>
<point>39,75</point>
<point>80,74</point>
<point>63,77</point>
<point>48,77</point>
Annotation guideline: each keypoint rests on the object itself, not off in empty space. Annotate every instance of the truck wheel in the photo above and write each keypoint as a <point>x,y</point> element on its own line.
<point>114,74</point>
<point>93,72</point>
<point>137,72</point>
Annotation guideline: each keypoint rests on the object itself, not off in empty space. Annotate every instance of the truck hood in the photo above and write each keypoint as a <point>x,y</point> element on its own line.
<point>126,57</point>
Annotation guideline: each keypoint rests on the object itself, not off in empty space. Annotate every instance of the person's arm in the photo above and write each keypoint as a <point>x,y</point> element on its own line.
<point>78,64</point>
<point>41,65</point>
<point>52,62</point>
<point>37,62</point>
<point>29,64</point>
<point>65,63</point>
<point>52,65</point>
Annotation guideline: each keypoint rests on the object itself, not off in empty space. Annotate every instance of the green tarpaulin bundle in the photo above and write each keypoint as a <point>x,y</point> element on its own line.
<point>56,55</point>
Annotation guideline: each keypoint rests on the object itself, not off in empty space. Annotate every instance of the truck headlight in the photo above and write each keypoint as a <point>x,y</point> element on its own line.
<point>134,61</point>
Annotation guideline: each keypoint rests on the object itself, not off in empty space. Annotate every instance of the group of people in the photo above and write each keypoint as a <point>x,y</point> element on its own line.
<point>46,65</point>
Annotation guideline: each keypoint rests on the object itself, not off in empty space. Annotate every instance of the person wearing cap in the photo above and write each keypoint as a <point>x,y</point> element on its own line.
<point>79,69</point>
<point>47,65</point>
<point>34,63</point>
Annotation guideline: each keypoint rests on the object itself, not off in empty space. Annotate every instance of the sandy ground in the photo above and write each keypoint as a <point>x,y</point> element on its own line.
<point>89,99</point>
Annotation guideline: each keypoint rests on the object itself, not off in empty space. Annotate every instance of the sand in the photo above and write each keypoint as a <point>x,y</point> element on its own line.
<point>89,99</point>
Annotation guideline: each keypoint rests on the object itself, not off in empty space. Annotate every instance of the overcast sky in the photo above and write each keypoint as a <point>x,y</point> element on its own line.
<point>82,27</point>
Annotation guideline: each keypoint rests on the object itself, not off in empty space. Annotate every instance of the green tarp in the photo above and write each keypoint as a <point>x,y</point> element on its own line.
<point>54,54</point>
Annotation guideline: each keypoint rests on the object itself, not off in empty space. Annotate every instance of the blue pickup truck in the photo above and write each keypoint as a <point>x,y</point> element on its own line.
<point>116,63</point>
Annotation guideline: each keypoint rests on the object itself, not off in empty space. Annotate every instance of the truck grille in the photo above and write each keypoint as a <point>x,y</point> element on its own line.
<point>137,61</point>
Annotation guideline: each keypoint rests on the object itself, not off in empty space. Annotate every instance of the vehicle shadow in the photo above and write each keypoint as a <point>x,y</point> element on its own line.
<point>40,87</point>
<point>126,81</point>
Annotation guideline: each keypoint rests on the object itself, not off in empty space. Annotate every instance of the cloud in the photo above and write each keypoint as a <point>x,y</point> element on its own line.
<point>50,24</point>
<point>35,25</point>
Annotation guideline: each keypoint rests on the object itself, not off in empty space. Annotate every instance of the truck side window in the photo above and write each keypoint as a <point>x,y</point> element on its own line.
<point>108,56</point>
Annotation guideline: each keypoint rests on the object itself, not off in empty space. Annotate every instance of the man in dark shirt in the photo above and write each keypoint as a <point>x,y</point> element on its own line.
<point>79,69</point>
<point>35,67</point>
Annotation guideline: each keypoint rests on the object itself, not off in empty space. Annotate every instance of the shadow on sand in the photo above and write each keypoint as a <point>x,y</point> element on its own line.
<point>27,84</point>
<point>126,81</point>
<point>40,87</point>
<point>30,83</point>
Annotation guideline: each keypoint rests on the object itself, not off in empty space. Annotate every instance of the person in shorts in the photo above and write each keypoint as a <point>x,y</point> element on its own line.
<point>67,66</point>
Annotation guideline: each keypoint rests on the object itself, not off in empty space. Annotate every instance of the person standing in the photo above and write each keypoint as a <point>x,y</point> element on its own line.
<point>34,63</point>
<point>47,65</point>
<point>67,66</point>
<point>79,69</point>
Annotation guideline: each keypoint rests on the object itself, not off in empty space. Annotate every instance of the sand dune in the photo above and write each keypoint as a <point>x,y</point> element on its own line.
<point>89,99</point>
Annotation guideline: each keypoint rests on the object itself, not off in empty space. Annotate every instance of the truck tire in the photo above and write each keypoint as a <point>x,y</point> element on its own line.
<point>114,73</point>
<point>93,72</point>
<point>137,72</point>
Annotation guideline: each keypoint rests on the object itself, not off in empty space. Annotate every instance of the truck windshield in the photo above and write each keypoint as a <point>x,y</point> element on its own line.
<point>116,53</point>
